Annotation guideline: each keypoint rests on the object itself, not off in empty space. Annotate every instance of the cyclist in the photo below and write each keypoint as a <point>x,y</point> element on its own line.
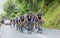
<point>39,16</point>
<point>13,21</point>
<point>30,22</point>
<point>22,18</point>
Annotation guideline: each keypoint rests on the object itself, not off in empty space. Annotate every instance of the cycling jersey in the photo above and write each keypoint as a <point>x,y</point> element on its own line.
<point>22,18</point>
<point>39,16</point>
<point>17,20</point>
<point>30,18</point>
<point>13,20</point>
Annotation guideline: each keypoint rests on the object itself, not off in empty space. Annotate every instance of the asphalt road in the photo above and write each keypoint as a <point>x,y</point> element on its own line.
<point>7,32</point>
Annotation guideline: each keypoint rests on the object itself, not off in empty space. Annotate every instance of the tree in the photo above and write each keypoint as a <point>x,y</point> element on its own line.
<point>10,7</point>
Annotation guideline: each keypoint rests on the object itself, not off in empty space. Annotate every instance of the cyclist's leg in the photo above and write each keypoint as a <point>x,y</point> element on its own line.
<point>13,25</point>
<point>17,26</point>
<point>21,28</point>
<point>32,27</point>
<point>35,25</point>
<point>39,28</point>
<point>29,27</point>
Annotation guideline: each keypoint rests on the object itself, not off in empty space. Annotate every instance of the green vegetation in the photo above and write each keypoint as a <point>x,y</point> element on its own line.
<point>50,10</point>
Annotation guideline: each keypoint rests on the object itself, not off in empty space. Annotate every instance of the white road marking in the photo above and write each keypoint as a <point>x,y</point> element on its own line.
<point>41,36</point>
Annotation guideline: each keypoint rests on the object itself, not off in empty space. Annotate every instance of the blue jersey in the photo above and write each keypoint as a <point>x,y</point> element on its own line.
<point>32,20</point>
